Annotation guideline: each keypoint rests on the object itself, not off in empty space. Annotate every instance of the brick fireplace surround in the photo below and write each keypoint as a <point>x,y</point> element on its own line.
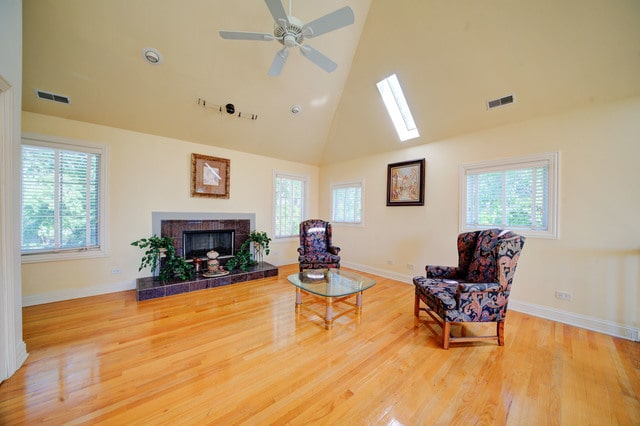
<point>173,224</point>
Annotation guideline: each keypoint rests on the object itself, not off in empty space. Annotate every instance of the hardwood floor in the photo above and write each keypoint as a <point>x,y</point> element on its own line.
<point>240,354</point>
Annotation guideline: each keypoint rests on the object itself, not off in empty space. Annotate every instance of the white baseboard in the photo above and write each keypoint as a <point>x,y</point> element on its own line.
<point>577,320</point>
<point>381,272</point>
<point>75,293</point>
<point>21,354</point>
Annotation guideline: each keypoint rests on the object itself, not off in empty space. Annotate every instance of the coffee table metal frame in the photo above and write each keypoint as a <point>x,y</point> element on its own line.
<point>331,286</point>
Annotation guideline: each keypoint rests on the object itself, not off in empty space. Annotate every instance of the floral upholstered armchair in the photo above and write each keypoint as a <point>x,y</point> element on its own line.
<point>316,250</point>
<point>477,290</point>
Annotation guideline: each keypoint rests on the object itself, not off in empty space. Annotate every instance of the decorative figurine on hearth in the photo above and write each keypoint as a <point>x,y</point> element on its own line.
<point>213,265</point>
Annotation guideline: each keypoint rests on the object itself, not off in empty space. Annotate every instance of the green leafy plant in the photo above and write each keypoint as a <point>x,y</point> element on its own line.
<point>158,248</point>
<point>243,259</point>
<point>260,241</point>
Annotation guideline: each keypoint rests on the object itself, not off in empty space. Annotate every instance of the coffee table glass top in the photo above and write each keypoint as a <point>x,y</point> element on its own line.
<point>330,282</point>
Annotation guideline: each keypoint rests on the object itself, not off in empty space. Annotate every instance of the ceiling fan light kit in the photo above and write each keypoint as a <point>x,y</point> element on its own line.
<point>291,32</point>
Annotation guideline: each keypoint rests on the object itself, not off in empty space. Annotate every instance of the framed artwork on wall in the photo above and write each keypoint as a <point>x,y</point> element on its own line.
<point>405,183</point>
<point>210,176</point>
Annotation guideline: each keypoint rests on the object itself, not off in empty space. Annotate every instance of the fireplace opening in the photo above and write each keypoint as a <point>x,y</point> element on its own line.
<point>198,243</point>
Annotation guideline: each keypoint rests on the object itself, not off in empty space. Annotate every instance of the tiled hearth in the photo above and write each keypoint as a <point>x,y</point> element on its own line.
<point>173,224</point>
<point>148,288</point>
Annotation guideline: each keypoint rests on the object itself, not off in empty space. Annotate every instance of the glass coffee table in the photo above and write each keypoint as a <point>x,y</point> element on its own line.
<point>331,285</point>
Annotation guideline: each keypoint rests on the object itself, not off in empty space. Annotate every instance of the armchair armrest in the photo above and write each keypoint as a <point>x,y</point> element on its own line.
<point>478,287</point>
<point>436,271</point>
<point>333,250</point>
<point>300,250</point>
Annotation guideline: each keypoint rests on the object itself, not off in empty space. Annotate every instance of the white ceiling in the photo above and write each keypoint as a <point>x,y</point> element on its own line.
<point>450,56</point>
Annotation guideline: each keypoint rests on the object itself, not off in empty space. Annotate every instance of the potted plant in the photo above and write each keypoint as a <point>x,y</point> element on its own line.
<point>158,248</point>
<point>243,259</point>
<point>260,241</point>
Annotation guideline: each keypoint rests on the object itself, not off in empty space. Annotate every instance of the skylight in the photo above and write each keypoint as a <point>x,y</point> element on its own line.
<point>397,107</point>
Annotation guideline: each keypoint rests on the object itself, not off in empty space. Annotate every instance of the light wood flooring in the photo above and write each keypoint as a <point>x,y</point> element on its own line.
<point>240,355</point>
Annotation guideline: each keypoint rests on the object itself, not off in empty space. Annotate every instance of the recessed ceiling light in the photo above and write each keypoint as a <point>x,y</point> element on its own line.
<point>151,55</point>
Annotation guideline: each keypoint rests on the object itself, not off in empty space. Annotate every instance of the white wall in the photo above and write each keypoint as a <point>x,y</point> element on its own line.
<point>596,258</point>
<point>153,174</point>
<point>12,348</point>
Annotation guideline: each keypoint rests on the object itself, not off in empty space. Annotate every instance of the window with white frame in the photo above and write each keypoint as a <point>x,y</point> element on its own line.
<point>346,202</point>
<point>517,194</point>
<point>63,199</point>
<point>290,199</point>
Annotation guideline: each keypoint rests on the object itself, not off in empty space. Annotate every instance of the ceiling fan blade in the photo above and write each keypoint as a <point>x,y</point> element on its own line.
<point>278,62</point>
<point>332,21</point>
<point>318,58</point>
<point>241,35</point>
<point>277,11</point>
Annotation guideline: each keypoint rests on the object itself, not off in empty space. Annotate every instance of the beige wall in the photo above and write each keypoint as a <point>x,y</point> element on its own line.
<point>150,173</point>
<point>596,258</point>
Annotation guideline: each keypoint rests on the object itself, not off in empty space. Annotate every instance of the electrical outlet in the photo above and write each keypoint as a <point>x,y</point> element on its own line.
<point>115,271</point>
<point>563,295</point>
<point>632,335</point>
<point>410,266</point>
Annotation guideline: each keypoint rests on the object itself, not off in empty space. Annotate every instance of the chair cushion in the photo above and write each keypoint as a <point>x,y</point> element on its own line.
<point>438,291</point>
<point>324,257</point>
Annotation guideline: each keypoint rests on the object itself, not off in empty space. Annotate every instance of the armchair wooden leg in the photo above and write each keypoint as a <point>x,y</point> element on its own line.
<point>446,332</point>
<point>416,306</point>
<point>500,332</point>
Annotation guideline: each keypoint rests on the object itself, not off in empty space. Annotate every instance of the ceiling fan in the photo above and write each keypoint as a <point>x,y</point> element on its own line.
<point>291,32</point>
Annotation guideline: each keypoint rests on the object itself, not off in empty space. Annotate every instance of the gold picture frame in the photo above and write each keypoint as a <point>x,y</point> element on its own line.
<point>210,176</point>
<point>405,183</point>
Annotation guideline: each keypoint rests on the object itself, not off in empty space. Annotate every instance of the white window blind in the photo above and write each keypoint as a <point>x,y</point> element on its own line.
<point>346,202</point>
<point>515,194</point>
<point>62,198</point>
<point>290,194</point>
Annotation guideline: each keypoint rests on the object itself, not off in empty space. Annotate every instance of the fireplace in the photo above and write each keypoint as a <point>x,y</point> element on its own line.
<point>198,243</point>
<point>175,224</point>
<point>210,230</point>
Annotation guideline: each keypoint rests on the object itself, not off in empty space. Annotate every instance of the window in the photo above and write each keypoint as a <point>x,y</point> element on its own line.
<point>63,199</point>
<point>397,107</point>
<point>517,194</point>
<point>290,198</point>
<point>346,202</point>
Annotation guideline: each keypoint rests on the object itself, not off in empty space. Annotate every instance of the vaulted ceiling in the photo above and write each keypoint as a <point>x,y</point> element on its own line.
<point>450,57</point>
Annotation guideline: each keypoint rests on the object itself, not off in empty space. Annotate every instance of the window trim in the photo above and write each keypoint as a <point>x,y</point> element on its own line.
<point>305,203</point>
<point>55,142</point>
<point>349,184</point>
<point>552,159</point>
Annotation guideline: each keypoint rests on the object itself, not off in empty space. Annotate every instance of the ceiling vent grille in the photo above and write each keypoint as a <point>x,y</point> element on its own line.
<point>494,103</point>
<point>52,97</point>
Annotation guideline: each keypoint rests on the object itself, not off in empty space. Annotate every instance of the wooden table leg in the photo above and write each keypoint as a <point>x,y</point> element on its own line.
<point>328,316</point>
<point>359,303</point>
<point>298,300</point>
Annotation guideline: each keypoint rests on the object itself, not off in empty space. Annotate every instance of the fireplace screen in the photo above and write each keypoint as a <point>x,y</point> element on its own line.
<point>198,243</point>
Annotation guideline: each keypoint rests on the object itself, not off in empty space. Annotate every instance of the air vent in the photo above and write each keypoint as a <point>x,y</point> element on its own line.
<point>494,103</point>
<point>52,97</point>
